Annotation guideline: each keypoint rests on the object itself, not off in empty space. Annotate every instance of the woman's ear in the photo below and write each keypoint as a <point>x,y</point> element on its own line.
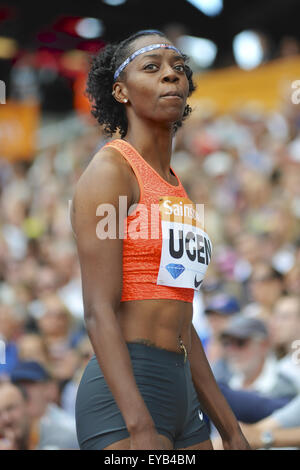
<point>120,93</point>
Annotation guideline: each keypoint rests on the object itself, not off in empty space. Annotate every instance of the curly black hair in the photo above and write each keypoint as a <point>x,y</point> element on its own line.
<point>109,112</point>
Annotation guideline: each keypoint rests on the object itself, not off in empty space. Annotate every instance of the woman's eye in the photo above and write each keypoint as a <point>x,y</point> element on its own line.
<point>180,68</point>
<point>150,66</point>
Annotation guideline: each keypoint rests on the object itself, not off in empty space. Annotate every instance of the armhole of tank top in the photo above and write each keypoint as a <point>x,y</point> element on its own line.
<point>180,185</point>
<point>137,175</point>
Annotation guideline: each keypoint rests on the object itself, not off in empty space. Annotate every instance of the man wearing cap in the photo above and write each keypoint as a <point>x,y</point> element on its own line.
<point>253,365</point>
<point>285,333</point>
<point>54,427</point>
<point>219,310</point>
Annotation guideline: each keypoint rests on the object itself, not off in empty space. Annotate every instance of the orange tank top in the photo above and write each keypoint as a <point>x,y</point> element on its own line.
<point>165,249</point>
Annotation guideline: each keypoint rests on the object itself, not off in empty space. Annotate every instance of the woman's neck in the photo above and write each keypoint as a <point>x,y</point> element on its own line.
<point>154,144</point>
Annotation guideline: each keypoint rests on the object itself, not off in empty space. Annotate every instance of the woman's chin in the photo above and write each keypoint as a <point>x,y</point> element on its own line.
<point>172,116</point>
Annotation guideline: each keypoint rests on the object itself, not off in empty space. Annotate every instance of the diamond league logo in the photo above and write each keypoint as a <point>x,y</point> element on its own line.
<point>175,269</point>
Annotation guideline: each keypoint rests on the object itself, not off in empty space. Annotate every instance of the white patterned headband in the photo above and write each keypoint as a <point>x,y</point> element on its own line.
<point>141,51</point>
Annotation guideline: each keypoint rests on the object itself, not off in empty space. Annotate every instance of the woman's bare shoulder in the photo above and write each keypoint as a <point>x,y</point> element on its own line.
<point>107,168</point>
<point>107,176</point>
<point>107,159</point>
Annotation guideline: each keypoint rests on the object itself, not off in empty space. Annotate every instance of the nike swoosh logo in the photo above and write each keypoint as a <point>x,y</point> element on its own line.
<point>200,415</point>
<point>197,283</point>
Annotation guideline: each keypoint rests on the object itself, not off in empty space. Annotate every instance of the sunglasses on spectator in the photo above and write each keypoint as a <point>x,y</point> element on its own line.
<point>237,342</point>
<point>270,276</point>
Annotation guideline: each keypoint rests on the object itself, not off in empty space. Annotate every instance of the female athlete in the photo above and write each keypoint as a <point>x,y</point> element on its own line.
<point>143,252</point>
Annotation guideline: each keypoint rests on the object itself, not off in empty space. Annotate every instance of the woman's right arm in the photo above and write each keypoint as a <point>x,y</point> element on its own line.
<point>105,179</point>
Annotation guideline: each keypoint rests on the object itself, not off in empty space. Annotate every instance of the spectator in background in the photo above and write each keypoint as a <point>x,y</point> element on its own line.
<point>9,328</point>
<point>292,280</point>
<point>266,286</point>
<point>285,439</point>
<point>285,417</point>
<point>68,397</point>
<point>62,260</point>
<point>251,359</point>
<point>15,424</point>
<point>280,429</point>
<point>53,426</point>
<point>249,249</point>
<point>250,406</point>
<point>56,327</point>
<point>46,282</point>
<point>31,347</point>
<point>219,311</point>
<point>285,334</point>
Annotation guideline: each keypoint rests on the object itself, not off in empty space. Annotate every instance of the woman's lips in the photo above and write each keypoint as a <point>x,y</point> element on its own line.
<point>172,97</point>
<point>173,94</point>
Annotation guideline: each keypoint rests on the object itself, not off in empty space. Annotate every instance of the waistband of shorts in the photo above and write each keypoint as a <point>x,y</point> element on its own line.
<point>155,353</point>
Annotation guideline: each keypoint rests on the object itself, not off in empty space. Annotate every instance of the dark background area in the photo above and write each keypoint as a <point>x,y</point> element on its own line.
<point>47,25</point>
<point>276,18</point>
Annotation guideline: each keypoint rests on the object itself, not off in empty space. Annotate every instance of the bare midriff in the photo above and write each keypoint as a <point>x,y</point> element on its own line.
<point>162,323</point>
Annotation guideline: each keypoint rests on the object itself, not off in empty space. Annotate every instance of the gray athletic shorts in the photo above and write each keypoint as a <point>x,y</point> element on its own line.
<point>165,383</point>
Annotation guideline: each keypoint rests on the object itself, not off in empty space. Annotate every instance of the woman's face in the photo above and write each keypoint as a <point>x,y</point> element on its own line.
<point>149,77</point>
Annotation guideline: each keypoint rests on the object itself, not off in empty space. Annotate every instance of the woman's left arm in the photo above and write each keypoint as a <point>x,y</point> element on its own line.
<point>212,399</point>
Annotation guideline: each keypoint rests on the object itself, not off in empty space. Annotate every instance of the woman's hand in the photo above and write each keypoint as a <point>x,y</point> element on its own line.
<point>146,440</point>
<point>252,433</point>
<point>236,442</point>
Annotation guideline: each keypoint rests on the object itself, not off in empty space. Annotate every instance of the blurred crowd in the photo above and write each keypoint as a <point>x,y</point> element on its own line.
<point>245,168</point>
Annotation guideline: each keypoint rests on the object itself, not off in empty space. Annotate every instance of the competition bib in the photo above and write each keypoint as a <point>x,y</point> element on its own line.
<point>186,248</point>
